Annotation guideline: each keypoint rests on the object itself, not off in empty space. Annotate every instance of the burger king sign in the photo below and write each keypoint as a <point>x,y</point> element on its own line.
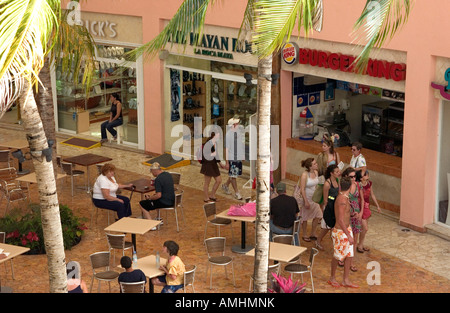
<point>290,53</point>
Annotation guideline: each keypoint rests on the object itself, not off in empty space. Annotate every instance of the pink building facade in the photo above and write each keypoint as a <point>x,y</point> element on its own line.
<point>419,55</point>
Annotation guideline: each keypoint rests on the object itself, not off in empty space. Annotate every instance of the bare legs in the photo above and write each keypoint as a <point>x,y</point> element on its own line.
<point>206,195</point>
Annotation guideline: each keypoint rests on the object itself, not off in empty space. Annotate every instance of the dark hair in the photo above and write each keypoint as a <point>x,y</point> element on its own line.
<point>117,96</point>
<point>125,261</point>
<point>347,171</point>
<point>359,175</point>
<point>211,136</point>
<point>307,163</point>
<point>345,183</point>
<point>330,169</point>
<point>172,247</point>
<point>358,145</point>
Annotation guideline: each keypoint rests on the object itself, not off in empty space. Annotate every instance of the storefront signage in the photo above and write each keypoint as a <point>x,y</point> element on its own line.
<point>344,63</point>
<point>289,53</point>
<point>217,46</point>
<point>444,90</point>
<point>105,29</point>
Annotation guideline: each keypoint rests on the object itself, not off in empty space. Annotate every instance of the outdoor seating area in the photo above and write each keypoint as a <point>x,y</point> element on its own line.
<point>188,230</point>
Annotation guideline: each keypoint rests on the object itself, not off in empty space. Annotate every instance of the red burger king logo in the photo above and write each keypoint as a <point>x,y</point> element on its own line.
<point>290,53</point>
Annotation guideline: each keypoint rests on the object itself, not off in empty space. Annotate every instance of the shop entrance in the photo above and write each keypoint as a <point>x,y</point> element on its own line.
<point>443,184</point>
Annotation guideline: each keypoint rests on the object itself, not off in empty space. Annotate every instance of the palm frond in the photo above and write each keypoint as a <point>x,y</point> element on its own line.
<point>185,26</point>
<point>378,23</point>
<point>275,20</point>
<point>25,29</point>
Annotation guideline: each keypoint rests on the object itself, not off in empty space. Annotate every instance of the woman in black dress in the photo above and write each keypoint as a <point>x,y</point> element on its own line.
<point>210,168</point>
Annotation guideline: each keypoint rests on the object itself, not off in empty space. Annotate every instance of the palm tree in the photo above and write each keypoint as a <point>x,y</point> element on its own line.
<point>29,29</point>
<point>272,22</point>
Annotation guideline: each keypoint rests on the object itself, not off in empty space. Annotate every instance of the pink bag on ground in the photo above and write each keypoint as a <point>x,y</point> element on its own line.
<point>244,209</point>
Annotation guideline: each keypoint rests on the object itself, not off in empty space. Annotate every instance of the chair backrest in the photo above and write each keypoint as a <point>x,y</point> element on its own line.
<point>286,239</point>
<point>137,287</point>
<point>8,174</point>
<point>313,253</point>
<point>116,241</point>
<point>67,167</point>
<point>99,168</point>
<point>178,198</point>
<point>2,237</point>
<point>210,209</point>
<point>100,260</point>
<point>189,275</point>
<point>215,245</point>
<point>5,156</point>
<point>176,177</point>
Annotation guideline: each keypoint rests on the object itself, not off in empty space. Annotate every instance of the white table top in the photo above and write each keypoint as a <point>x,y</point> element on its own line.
<point>31,178</point>
<point>281,252</point>
<point>131,225</point>
<point>12,250</point>
<point>15,144</point>
<point>148,266</point>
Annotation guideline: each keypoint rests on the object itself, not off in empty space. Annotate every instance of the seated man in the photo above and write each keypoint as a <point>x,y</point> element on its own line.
<point>283,213</point>
<point>164,196</point>
<point>130,275</point>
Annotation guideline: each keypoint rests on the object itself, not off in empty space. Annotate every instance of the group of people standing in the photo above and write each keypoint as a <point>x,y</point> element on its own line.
<point>343,208</point>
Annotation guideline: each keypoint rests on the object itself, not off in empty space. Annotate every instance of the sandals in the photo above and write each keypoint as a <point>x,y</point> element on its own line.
<point>313,237</point>
<point>353,268</point>
<point>359,250</point>
<point>334,284</point>
<point>306,239</point>
<point>213,199</point>
<point>319,246</point>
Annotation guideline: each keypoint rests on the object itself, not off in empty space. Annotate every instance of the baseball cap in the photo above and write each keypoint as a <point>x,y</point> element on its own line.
<point>281,187</point>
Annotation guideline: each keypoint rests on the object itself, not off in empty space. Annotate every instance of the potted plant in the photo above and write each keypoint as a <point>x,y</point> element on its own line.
<point>282,285</point>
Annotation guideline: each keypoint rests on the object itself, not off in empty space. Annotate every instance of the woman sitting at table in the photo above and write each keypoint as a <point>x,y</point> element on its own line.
<point>104,195</point>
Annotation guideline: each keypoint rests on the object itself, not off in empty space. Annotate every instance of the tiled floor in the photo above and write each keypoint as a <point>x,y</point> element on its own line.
<point>408,261</point>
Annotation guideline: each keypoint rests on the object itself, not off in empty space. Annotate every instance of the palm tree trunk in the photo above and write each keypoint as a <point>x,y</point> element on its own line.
<point>48,197</point>
<point>263,175</point>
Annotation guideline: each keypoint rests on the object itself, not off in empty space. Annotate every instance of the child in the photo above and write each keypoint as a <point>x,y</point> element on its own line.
<point>174,269</point>
<point>367,192</point>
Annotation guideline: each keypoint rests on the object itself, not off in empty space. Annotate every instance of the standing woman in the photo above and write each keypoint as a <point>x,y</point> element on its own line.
<point>356,198</point>
<point>210,168</point>
<point>115,118</point>
<point>309,209</point>
<point>327,157</point>
<point>104,195</point>
<point>330,193</point>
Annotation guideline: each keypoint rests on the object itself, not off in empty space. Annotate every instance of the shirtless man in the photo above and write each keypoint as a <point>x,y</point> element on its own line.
<point>342,236</point>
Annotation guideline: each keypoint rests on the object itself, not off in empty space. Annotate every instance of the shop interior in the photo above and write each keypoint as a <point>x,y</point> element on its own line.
<point>355,112</point>
<point>212,92</point>
<point>443,183</point>
<point>82,112</point>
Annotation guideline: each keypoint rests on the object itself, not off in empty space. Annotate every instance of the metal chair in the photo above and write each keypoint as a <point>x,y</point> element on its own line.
<point>117,242</point>
<point>69,170</point>
<point>274,268</point>
<point>288,240</point>
<point>10,187</point>
<point>215,248</point>
<point>100,260</point>
<point>2,240</point>
<point>5,157</point>
<point>95,208</point>
<point>302,268</point>
<point>189,277</point>
<point>210,211</point>
<point>176,177</point>
<point>174,208</point>
<point>137,287</point>
<point>295,231</point>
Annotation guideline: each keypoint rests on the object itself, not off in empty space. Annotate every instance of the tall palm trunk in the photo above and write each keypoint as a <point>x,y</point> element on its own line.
<point>263,175</point>
<point>51,221</point>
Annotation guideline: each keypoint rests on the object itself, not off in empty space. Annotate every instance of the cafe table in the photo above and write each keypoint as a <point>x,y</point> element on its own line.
<point>133,226</point>
<point>281,252</point>
<point>141,185</point>
<point>18,144</point>
<point>243,247</point>
<point>87,160</point>
<point>148,266</point>
<point>11,251</point>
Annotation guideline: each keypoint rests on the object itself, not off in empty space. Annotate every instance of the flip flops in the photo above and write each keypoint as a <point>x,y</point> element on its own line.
<point>307,239</point>
<point>334,284</point>
<point>350,286</point>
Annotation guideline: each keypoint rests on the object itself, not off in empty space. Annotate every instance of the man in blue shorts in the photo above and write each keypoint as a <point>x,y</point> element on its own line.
<point>235,153</point>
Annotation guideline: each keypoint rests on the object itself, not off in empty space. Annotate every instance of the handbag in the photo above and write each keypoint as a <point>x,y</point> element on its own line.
<point>297,194</point>
<point>244,209</point>
<point>317,196</point>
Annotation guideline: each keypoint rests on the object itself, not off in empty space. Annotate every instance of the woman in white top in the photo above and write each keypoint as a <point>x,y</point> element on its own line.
<point>309,210</point>
<point>104,195</point>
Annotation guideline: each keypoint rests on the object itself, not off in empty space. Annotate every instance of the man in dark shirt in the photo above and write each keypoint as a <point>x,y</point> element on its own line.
<point>283,213</point>
<point>164,196</point>
<point>130,275</point>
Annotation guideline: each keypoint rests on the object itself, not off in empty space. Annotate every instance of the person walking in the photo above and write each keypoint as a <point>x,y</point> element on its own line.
<point>210,168</point>
<point>358,161</point>
<point>115,118</point>
<point>327,157</point>
<point>234,154</point>
<point>309,210</point>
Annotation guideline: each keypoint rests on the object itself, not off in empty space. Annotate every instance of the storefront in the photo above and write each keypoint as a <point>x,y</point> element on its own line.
<point>78,113</point>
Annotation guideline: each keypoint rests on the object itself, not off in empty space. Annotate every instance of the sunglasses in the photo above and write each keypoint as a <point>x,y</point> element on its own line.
<point>352,176</point>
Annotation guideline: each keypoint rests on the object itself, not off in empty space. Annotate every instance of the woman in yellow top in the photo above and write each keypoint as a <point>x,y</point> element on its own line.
<point>174,269</point>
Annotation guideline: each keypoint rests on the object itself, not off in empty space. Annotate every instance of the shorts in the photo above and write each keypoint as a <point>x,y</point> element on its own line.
<point>168,288</point>
<point>235,169</point>
<point>150,205</point>
<point>342,248</point>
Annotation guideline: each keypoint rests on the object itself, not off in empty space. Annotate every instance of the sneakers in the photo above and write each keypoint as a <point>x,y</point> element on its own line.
<point>238,196</point>
<point>225,189</point>
<point>160,219</point>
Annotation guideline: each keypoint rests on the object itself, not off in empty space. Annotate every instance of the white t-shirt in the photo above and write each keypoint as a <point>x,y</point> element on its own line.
<point>103,182</point>
<point>358,161</point>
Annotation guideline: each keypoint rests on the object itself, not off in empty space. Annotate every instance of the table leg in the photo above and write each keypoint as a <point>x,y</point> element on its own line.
<point>151,287</point>
<point>133,240</point>
<point>22,171</point>
<point>88,179</point>
<point>243,247</point>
